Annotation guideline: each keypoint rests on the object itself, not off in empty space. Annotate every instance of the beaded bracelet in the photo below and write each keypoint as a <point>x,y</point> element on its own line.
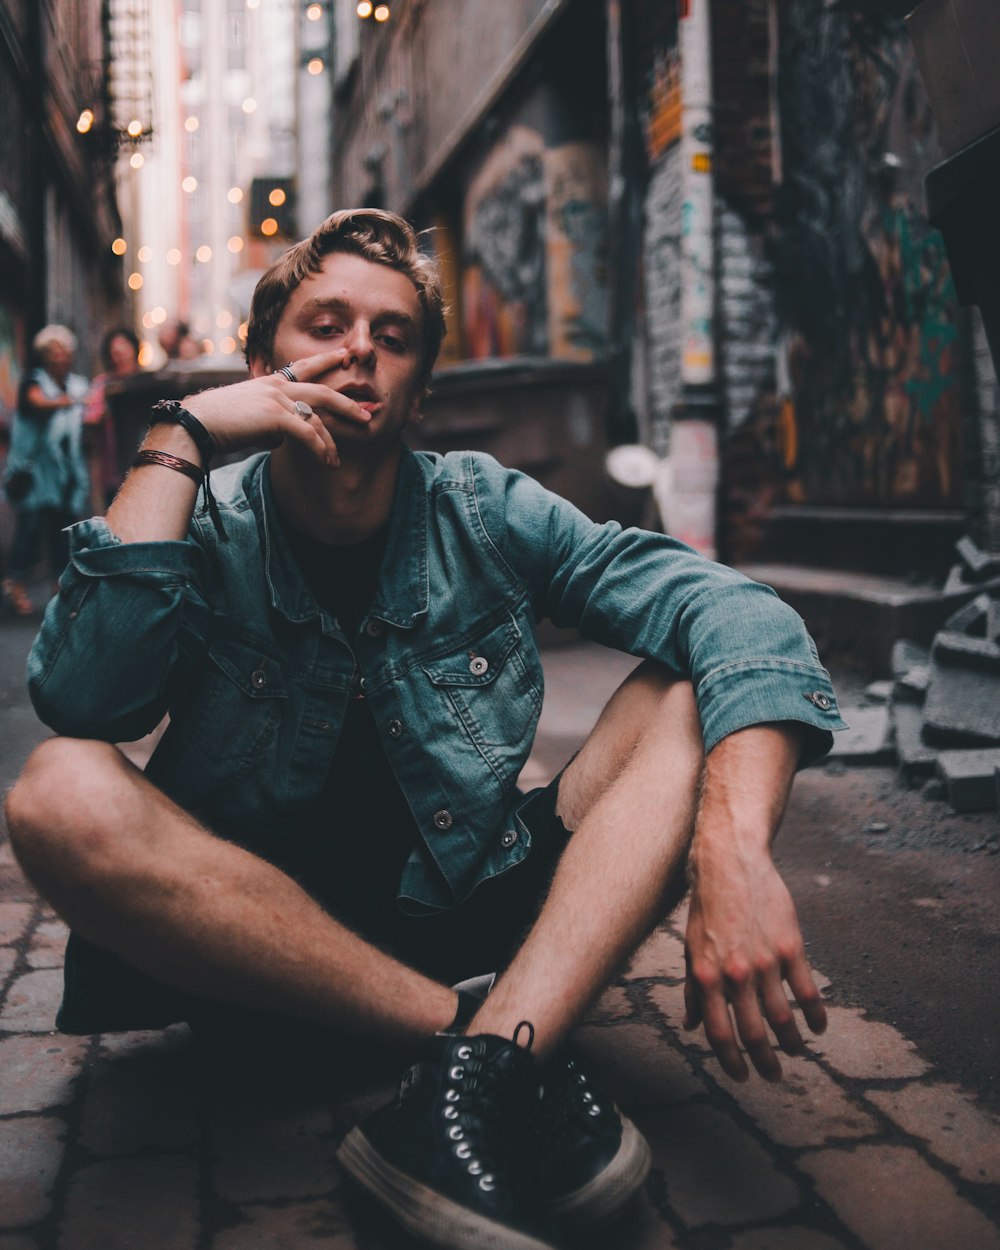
<point>171,410</point>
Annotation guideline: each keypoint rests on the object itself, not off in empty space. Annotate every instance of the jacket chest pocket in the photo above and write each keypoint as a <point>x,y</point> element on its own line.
<point>236,711</point>
<point>489,687</point>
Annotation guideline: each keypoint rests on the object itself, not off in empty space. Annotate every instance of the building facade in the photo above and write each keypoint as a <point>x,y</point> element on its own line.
<point>58,213</point>
<point>717,207</point>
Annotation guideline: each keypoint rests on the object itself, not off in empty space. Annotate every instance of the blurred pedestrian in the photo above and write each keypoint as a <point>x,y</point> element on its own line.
<point>177,342</point>
<point>120,357</point>
<point>46,479</point>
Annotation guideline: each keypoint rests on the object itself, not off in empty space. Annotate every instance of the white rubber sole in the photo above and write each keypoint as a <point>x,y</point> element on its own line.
<point>602,1198</point>
<point>423,1211</point>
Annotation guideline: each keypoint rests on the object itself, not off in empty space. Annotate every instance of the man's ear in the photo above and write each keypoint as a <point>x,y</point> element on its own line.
<point>415,412</point>
<point>259,366</point>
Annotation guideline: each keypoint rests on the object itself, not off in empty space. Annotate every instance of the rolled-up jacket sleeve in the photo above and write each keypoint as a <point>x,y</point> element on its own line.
<point>747,654</point>
<point>111,640</point>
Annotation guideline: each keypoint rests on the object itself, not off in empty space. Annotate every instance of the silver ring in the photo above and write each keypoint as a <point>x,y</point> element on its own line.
<point>303,409</point>
<point>287,371</point>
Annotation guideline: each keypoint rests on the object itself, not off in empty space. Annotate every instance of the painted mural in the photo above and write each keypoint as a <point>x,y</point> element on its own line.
<point>576,251</point>
<point>534,268</point>
<point>874,410</point>
<point>504,302</point>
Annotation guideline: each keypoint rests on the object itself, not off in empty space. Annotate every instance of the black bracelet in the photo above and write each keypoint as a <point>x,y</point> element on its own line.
<point>174,412</point>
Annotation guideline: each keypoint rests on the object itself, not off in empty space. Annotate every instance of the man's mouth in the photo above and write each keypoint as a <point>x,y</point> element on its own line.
<point>364,395</point>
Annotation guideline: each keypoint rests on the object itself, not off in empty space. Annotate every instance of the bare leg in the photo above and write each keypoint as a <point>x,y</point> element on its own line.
<point>630,798</point>
<point>135,874</point>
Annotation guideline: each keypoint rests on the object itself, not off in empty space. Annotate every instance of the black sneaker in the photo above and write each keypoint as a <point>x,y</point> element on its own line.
<point>593,1159</point>
<point>453,1157</point>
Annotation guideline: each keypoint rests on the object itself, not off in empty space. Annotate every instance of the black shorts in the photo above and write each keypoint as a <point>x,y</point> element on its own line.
<point>104,994</point>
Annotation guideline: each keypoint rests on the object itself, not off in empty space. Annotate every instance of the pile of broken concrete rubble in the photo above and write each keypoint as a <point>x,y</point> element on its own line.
<point>939,716</point>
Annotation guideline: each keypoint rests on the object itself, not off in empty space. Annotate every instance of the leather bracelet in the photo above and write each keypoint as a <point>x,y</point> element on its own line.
<point>171,410</point>
<point>168,461</point>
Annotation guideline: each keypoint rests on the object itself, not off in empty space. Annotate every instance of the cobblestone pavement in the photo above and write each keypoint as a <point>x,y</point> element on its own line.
<point>127,1142</point>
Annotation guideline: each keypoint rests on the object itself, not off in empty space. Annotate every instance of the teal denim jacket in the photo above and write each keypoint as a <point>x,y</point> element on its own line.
<point>228,639</point>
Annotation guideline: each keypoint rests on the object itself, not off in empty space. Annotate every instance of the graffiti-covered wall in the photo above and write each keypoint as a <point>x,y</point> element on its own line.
<point>534,240</point>
<point>874,342</point>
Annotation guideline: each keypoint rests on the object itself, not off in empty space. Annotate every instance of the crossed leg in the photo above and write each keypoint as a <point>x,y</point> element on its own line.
<point>630,799</point>
<point>132,872</point>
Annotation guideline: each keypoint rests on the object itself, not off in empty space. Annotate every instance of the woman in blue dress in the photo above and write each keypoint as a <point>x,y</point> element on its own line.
<point>46,478</point>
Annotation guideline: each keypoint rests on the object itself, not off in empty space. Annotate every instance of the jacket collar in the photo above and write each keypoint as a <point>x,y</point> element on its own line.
<point>402,594</point>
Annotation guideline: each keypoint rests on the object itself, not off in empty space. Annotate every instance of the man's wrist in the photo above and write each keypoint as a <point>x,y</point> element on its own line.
<point>165,436</point>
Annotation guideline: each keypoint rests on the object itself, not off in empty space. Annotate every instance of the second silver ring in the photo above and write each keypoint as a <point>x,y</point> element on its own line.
<point>303,409</point>
<point>288,373</point>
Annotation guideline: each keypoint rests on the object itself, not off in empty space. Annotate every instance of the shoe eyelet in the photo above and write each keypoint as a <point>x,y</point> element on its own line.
<point>475,1167</point>
<point>456,1132</point>
<point>457,1072</point>
<point>464,1052</point>
<point>588,1096</point>
<point>451,1095</point>
<point>450,1113</point>
<point>594,1109</point>
<point>487,1182</point>
<point>463,1150</point>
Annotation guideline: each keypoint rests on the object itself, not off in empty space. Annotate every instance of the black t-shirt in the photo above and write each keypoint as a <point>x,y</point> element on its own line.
<point>351,848</point>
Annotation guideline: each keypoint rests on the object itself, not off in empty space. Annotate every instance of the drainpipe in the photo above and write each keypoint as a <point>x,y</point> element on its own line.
<point>694,435</point>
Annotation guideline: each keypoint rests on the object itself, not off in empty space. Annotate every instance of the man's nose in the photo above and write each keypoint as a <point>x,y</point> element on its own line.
<point>359,345</point>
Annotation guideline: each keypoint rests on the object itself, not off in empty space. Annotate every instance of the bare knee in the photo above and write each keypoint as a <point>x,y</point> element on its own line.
<point>53,809</point>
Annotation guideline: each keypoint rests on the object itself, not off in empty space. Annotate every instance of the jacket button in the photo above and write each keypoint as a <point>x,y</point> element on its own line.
<point>258,679</point>
<point>442,819</point>
<point>478,665</point>
<point>508,838</point>
<point>820,700</point>
<point>374,628</point>
<point>395,728</point>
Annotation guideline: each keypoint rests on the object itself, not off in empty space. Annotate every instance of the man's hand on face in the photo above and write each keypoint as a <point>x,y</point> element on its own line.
<point>743,942</point>
<point>262,412</point>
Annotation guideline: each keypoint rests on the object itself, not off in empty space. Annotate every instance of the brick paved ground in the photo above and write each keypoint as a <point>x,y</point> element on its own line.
<point>127,1142</point>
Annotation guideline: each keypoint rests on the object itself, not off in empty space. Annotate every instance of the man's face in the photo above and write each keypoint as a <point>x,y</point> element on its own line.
<point>373,313</point>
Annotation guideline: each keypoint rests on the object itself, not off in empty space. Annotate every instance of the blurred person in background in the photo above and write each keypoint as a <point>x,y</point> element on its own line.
<point>46,479</point>
<point>120,357</point>
<point>177,342</point>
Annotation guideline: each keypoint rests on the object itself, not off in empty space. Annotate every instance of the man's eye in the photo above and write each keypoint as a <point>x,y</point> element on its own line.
<point>393,342</point>
<point>327,330</point>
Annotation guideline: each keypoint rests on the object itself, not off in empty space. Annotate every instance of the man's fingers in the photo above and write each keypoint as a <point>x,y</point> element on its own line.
<point>805,993</point>
<point>308,367</point>
<point>313,433</point>
<point>325,398</point>
<point>779,1015</point>
<point>753,1032</point>
<point>692,1007</point>
<point>720,1034</point>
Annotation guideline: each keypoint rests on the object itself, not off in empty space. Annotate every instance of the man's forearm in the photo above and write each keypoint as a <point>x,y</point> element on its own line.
<point>745,786</point>
<point>155,503</point>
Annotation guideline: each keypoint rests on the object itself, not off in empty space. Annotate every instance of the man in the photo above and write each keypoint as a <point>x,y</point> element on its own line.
<point>330,832</point>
